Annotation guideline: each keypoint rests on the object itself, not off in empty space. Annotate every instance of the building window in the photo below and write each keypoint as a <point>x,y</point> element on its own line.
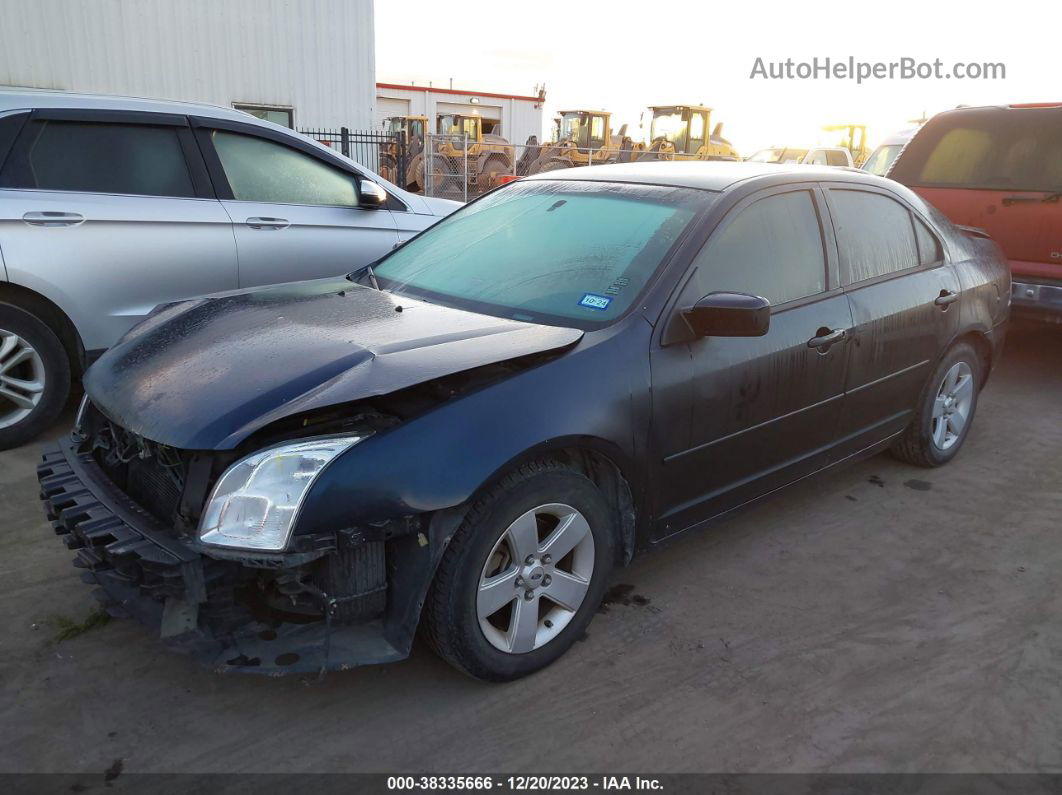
<point>285,117</point>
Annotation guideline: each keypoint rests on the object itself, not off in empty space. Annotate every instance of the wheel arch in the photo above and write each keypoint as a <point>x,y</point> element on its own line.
<point>978,340</point>
<point>600,461</point>
<point>53,316</point>
<point>606,466</point>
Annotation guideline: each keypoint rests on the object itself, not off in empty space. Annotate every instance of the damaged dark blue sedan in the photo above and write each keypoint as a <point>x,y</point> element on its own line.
<point>470,435</point>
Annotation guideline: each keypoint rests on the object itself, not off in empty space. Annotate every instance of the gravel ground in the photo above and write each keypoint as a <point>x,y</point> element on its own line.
<point>881,618</point>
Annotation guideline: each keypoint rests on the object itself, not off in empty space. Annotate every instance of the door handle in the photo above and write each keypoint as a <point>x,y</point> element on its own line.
<point>268,223</point>
<point>946,297</point>
<point>52,218</point>
<point>826,337</point>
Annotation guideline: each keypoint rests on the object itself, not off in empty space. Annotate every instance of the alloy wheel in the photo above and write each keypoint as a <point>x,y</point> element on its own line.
<point>535,578</point>
<point>22,378</point>
<point>951,409</point>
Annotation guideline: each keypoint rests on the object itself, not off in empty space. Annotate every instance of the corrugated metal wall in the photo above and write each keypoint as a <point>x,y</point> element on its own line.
<point>316,56</point>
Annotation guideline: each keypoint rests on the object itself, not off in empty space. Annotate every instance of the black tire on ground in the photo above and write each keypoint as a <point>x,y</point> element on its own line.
<point>916,445</point>
<point>451,622</point>
<point>56,365</point>
<point>555,164</point>
<point>494,166</point>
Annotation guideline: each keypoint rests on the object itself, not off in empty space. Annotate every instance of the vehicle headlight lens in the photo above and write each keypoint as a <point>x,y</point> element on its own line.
<point>255,503</point>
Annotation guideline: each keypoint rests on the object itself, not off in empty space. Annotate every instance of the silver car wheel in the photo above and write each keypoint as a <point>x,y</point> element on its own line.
<point>951,409</point>
<point>535,578</point>
<point>22,378</point>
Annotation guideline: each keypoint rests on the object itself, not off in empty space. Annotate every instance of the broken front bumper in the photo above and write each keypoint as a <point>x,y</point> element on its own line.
<point>145,572</point>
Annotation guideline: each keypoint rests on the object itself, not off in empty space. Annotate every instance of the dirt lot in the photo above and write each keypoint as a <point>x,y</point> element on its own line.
<point>883,618</point>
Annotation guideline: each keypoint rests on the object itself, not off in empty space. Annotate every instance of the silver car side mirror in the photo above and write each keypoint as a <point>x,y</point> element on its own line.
<point>370,195</point>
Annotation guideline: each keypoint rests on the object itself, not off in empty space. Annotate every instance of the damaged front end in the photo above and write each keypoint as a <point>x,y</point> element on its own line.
<point>132,510</point>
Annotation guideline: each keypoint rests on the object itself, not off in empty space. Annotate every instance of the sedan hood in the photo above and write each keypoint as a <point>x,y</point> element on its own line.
<point>206,373</point>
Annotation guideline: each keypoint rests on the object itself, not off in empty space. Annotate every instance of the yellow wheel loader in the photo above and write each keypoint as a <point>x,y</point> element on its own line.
<point>680,132</point>
<point>413,127</point>
<point>489,157</point>
<point>583,137</point>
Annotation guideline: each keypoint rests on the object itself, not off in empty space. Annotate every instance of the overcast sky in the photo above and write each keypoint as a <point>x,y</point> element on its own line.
<point>625,56</point>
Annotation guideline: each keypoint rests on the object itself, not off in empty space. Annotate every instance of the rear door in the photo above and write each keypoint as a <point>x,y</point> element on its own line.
<point>999,169</point>
<point>905,300</point>
<point>763,411</point>
<point>294,211</point>
<point>109,213</point>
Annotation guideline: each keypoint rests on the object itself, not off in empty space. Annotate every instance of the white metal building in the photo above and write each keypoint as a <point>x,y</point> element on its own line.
<point>303,63</point>
<point>512,116</point>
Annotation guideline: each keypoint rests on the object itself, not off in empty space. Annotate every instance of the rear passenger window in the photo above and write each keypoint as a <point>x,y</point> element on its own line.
<point>773,248</point>
<point>986,148</point>
<point>929,250</point>
<point>104,158</point>
<point>874,234</point>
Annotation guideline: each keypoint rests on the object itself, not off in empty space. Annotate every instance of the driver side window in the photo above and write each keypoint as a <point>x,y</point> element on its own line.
<point>772,248</point>
<point>259,170</point>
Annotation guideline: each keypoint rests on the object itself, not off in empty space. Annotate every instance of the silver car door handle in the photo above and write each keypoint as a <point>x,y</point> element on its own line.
<point>268,223</point>
<point>51,218</point>
<point>946,297</point>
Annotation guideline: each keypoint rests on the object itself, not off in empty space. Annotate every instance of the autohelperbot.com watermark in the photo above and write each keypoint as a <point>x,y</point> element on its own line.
<point>851,68</point>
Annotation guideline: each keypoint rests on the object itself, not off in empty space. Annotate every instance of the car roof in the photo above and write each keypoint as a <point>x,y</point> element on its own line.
<point>25,98</point>
<point>714,175</point>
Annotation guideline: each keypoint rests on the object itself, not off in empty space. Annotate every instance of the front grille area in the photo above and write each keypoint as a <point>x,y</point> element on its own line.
<point>152,475</point>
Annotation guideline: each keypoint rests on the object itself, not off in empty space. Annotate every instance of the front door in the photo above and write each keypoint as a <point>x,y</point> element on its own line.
<point>762,411</point>
<point>294,215</point>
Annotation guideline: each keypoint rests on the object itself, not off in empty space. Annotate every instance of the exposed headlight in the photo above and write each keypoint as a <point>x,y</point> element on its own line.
<point>255,503</point>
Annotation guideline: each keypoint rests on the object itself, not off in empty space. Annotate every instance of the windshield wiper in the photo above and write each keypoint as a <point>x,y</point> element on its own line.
<point>355,275</point>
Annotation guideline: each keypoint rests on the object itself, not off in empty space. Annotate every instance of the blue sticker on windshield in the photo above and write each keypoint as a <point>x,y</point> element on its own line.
<point>598,302</point>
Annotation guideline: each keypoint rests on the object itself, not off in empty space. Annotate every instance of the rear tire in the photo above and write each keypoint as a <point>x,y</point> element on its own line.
<point>501,606</point>
<point>556,164</point>
<point>945,410</point>
<point>494,167</point>
<point>34,376</point>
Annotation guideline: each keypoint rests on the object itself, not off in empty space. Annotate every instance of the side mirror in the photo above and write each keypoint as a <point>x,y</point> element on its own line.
<point>370,195</point>
<point>729,315</point>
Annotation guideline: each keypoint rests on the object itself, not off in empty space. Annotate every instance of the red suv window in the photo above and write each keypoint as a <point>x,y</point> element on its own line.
<point>986,148</point>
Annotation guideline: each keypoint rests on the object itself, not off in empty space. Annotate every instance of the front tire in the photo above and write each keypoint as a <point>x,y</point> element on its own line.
<point>34,376</point>
<point>945,411</point>
<point>523,575</point>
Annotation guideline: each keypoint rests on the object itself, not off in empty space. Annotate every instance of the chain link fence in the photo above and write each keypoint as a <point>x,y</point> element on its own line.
<point>462,167</point>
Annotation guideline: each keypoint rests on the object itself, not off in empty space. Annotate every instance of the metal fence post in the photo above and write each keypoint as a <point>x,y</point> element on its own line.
<point>344,141</point>
<point>402,160</point>
<point>465,153</point>
<point>429,151</point>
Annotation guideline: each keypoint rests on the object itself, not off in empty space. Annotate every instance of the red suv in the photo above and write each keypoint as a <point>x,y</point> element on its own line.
<point>999,168</point>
